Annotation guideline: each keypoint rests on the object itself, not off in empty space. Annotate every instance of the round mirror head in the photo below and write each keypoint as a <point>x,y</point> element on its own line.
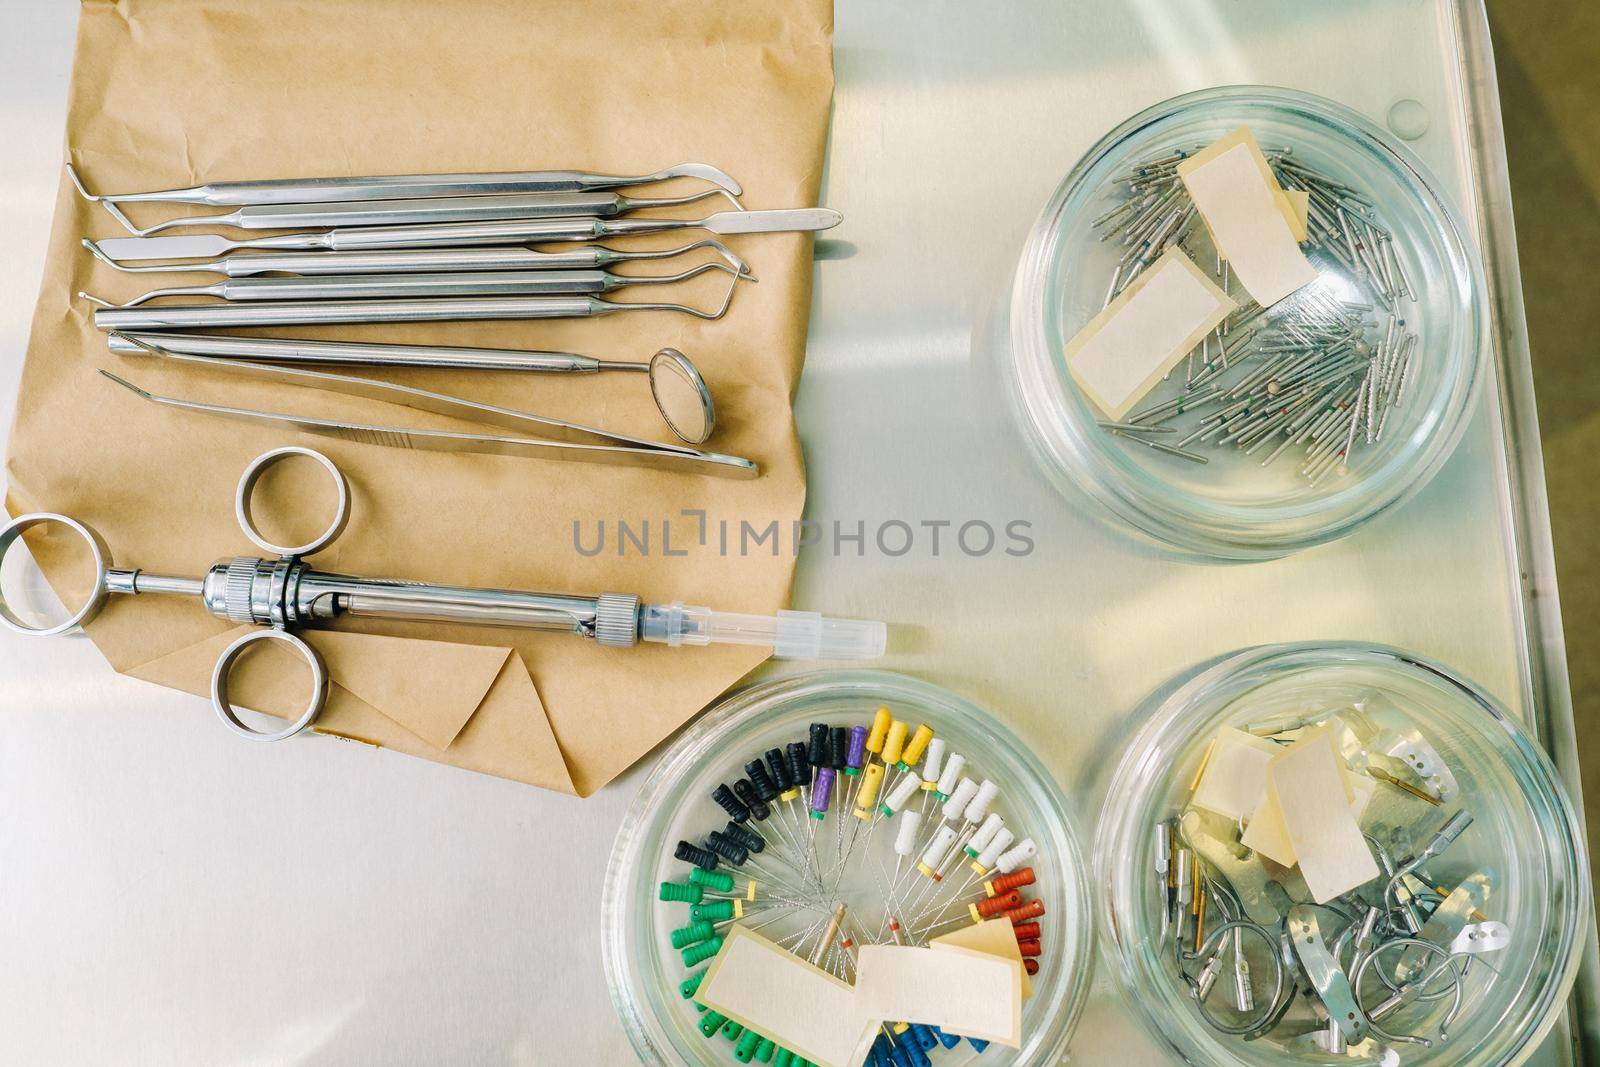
<point>682,396</point>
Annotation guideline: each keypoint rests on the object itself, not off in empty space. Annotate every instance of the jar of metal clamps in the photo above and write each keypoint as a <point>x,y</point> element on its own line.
<point>838,772</point>
<point>1451,935</point>
<point>1285,427</point>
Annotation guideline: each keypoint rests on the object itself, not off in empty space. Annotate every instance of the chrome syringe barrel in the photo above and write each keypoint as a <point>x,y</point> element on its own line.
<point>287,593</point>
<point>283,593</point>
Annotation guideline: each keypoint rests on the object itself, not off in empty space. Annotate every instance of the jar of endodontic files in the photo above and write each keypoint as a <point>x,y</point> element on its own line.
<point>1030,853</point>
<point>1286,471</point>
<point>1461,951</point>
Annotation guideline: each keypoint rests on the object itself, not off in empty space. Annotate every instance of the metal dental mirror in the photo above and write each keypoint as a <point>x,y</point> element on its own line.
<point>681,394</point>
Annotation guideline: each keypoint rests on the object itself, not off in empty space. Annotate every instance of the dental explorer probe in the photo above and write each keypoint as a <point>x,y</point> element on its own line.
<point>470,234</point>
<point>398,186</point>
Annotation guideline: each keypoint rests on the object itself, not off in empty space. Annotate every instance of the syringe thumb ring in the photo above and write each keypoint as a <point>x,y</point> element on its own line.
<point>100,559</point>
<point>221,700</point>
<point>284,592</point>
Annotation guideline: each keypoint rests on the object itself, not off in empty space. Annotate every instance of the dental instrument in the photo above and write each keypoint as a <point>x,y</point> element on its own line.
<point>285,593</point>
<point>680,395</point>
<point>462,234</point>
<point>680,392</point>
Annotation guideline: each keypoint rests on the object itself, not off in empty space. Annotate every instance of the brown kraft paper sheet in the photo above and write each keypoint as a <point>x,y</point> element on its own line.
<point>170,93</point>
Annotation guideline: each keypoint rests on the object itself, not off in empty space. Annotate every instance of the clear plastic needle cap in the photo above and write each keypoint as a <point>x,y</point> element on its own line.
<point>790,634</point>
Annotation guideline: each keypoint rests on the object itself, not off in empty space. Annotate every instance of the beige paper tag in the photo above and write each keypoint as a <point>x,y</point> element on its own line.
<point>996,937</point>
<point>1296,207</point>
<point>1315,800</point>
<point>1237,195</point>
<point>780,996</point>
<point>1265,832</point>
<point>1162,314</point>
<point>1235,778</point>
<point>958,990</point>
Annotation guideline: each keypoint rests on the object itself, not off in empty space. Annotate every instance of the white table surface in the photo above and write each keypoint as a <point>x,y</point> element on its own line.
<point>169,895</point>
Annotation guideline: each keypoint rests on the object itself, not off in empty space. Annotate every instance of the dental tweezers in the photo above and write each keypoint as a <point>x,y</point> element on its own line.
<point>538,437</point>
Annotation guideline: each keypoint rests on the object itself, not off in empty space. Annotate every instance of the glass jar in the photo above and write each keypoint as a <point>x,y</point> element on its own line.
<point>1234,506</point>
<point>645,971</point>
<point>1525,843</point>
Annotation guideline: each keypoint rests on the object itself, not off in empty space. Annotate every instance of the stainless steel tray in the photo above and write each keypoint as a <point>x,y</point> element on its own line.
<point>953,122</point>
<point>951,128</point>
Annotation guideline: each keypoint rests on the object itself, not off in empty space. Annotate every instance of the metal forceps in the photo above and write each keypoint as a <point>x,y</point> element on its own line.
<point>284,593</point>
<point>538,437</point>
<point>680,393</point>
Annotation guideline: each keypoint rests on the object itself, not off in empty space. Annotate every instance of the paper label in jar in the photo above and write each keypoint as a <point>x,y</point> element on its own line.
<point>1235,775</point>
<point>1265,833</point>
<point>765,988</point>
<point>1140,336</point>
<point>956,989</point>
<point>1234,190</point>
<point>996,937</point>
<point>1316,799</point>
<point>1296,206</point>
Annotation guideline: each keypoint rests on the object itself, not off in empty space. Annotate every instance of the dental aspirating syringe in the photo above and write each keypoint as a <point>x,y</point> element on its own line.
<point>286,593</point>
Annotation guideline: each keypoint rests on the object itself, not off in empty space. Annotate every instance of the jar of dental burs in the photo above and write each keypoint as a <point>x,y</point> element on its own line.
<point>652,985</point>
<point>1387,246</point>
<point>1461,951</point>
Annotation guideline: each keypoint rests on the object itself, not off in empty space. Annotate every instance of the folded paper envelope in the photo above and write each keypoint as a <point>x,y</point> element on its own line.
<point>170,93</point>
<point>470,705</point>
